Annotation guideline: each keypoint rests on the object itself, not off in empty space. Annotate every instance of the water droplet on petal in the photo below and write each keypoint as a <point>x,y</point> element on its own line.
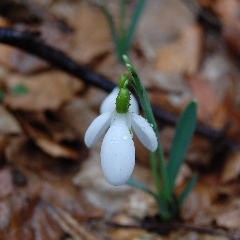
<point>125,137</point>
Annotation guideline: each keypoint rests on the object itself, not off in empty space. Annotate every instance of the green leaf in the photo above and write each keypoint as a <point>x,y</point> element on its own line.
<point>135,20</point>
<point>187,190</point>
<point>20,89</point>
<point>113,29</point>
<point>135,183</point>
<point>183,136</point>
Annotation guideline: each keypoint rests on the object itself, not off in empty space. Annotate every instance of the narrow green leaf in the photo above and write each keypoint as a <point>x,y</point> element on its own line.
<point>135,20</point>
<point>158,155</point>
<point>113,29</point>
<point>135,183</point>
<point>183,136</point>
<point>187,190</point>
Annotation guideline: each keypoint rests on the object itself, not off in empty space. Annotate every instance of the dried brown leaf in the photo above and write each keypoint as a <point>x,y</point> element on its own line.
<point>56,149</point>
<point>49,183</point>
<point>6,182</point>
<point>198,205</point>
<point>184,55</point>
<point>91,40</point>
<point>227,215</point>
<point>51,135</point>
<point>46,91</point>
<point>211,111</point>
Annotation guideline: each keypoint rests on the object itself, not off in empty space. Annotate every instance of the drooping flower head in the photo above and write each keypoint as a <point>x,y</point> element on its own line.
<point>118,150</point>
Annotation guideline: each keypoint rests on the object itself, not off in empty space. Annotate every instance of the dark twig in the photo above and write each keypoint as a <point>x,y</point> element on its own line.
<point>29,42</point>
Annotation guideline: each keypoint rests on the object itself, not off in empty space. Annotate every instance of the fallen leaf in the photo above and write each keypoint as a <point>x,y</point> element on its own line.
<point>184,55</point>
<point>6,182</point>
<point>46,186</point>
<point>51,135</point>
<point>46,91</point>
<point>228,215</point>
<point>8,123</point>
<point>90,41</point>
<point>197,207</point>
<point>210,108</point>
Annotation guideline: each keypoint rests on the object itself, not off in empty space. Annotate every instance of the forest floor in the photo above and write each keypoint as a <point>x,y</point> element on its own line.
<point>52,185</point>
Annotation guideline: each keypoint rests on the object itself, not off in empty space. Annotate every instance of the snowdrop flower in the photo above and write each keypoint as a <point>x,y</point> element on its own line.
<point>118,150</point>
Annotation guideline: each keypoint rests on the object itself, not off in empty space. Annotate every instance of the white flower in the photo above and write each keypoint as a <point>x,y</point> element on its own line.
<point>118,151</point>
<point>109,103</point>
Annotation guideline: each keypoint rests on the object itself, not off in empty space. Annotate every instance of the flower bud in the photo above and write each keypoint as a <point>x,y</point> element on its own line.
<point>123,101</point>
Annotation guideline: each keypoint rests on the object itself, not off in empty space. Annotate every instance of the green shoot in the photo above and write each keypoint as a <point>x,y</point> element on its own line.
<point>165,174</point>
<point>123,34</point>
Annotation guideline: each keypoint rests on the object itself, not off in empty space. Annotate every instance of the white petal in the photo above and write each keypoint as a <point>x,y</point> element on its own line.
<point>97,128</point>
<point>118,152</point>
<point>109,103</point>
<point>134,105</point>
<point>145,132</point>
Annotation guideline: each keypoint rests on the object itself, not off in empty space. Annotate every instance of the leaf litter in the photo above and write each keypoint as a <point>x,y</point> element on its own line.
<point>52,186</point>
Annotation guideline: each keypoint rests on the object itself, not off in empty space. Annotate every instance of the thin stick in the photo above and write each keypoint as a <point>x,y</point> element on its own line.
<point>29,42</point>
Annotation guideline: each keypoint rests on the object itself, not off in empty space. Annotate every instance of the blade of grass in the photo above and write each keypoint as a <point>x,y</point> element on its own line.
<point>135,20</point>
<point>135,183</point>
<point>183,136</point>
<point>113,29</point>
<point>122,28</point>
<point>187,190</point>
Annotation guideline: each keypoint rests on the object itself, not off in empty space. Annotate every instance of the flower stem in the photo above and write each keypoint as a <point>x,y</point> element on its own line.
<point>157,158</point>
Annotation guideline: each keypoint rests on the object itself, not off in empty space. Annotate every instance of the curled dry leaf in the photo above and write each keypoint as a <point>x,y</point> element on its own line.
<point>45,91</point>
<point>56,150</point>
<point>52,136</point>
